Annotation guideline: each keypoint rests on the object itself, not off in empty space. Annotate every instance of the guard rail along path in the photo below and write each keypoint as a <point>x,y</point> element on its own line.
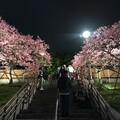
<point>19,101</point>
<point>105,111</point>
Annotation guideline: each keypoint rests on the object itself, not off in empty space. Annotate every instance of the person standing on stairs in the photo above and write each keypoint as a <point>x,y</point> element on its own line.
<point>40,78</point>
<point>64,86</point>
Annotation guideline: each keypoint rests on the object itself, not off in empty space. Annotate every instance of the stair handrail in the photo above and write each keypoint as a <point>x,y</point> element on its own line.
<point>19,101</point>
<point>105,111</point>
<point>57,103</point>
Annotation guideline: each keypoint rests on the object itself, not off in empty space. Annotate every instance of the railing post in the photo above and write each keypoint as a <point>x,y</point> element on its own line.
<point>16,104</point>
<point>3,118</point>
<point>57,106</point>
<point>89,90</point>
<point>29,97</point>
<point>98,102</point>
<point>106,107</point>
<point>24,106</point>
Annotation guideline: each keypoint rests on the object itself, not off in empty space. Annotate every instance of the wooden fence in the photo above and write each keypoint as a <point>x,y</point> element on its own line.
<point>106,73</point>
<point>17,75</point>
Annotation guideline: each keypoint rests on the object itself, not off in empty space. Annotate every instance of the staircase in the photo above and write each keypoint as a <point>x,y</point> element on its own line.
<point>80,110</point>
<point>42,106</point>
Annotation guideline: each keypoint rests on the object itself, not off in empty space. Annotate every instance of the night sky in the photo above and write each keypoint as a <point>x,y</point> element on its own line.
<point>59,22</point>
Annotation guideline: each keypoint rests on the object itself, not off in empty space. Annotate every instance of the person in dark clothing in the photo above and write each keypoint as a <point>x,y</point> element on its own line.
<point>64,86</point>
<point>40,78</point>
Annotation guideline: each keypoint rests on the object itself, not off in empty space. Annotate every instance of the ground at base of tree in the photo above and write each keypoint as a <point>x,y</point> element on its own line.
<point>112,96</point>
<point>7,92</point>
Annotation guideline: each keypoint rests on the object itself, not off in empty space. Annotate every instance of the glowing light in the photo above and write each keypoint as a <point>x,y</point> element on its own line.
<point>42,54</point>
<point>86,34</point>
<point>70,69</point>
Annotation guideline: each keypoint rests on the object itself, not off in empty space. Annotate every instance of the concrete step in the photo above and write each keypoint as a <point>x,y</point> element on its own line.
<point>82,115</point>
<point>43,103</point>
<point>80,119</point>
<point>81,110</point>
<point>36,116</point>
<point>37,111</point>
<point>35,119</point>
<point>42,107</point>
<point>44,97</point>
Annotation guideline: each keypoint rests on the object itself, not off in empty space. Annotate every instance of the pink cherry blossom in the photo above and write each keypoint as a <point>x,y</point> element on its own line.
<point>22,50</point>
<point>101,49</point>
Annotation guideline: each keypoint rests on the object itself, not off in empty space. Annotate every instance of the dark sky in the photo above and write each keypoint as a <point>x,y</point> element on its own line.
<point>59,22</point>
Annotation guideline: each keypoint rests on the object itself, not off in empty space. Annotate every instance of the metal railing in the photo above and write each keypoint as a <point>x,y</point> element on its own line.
<point>103,108</point>
<point>18,102</point>
<point>57,103</point>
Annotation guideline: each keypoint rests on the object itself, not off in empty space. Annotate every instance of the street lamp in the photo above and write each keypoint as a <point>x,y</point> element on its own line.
<point>86,34</point>
<point>42,53</point>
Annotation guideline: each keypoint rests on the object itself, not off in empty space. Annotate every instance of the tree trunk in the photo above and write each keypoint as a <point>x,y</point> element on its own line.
<point>10,79</point>
<point>90,70</point>
<point>113,94</point>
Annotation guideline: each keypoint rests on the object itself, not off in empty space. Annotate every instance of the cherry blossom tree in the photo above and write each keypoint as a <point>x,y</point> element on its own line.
<point>101,49</point>
<point>104,43</point>
<point>17,49</point>
<point>32,56</point>
<point>80,64</point>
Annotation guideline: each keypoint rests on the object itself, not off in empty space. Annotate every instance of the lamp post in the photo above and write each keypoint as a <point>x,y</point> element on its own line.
<point>86,35</point>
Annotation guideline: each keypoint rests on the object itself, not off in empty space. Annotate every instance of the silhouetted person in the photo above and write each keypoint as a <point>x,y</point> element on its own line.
<point>64,86</point>
<point>40,78</point>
